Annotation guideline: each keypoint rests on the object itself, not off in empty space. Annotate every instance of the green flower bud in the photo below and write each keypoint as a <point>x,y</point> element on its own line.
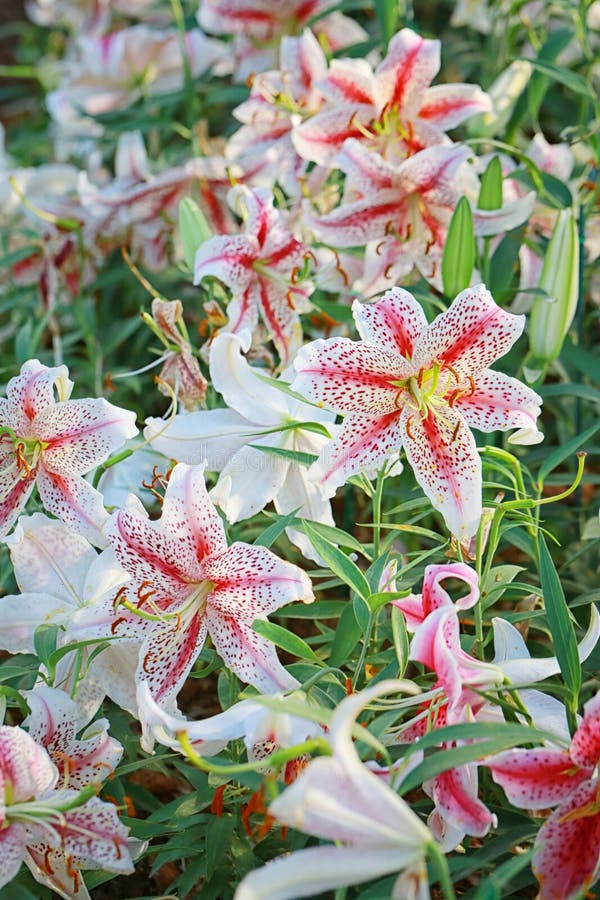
<point>552,314</point>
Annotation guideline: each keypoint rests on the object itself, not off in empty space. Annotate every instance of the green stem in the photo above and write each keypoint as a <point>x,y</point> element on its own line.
<point>440,864</point>
<point>275,760</point>
<point>377,498</point>
<point>364,649</point>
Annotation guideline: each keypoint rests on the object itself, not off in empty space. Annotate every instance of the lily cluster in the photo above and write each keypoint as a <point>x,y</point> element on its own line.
<point>360,300</point>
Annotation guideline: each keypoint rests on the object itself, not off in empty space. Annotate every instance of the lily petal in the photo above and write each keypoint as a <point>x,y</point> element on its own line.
<point>500,403</point>
<point>444,458</point>
<point>240,385</point>
<point>536,779</point>
<point>394,322</point>
<point>363,444</point>
<point>350,376</point>
<point>470,335</point>
<point>566,858</point>
<point>214,435</point>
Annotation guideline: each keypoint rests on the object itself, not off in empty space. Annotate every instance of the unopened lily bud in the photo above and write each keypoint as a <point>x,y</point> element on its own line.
<point>552,313</point>
<point>193,229</point>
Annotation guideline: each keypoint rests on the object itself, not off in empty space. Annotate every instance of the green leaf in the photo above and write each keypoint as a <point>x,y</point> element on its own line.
<point>295,456</point>
<point>387,15</point>
<point>458,259</point>
<point>561,453</point>
<point>44,643</point>
<point>561,627</point>
<point>273,531</point>
<point>194,229</point>
<point>487,737</point>
<point>503,263</point>
<point>346,637</point>
<point>338,536</point>
<point>338,562</point>
<point>401,641</point>
<point>490,192</point>
<point>284,639</point>
<point>571,80</point>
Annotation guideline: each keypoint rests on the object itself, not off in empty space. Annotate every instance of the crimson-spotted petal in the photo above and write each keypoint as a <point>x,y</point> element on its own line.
<point>364,443</point>
<point>473,333</point>
<point>394,322</point>
<point>408,69</point>
<point>566,858</point>
<point>347,376</point>
<point>500,403</point>
<point>538,778</point>
<point>585,747</point>
<point>444,458</point>
<point>189,516</point>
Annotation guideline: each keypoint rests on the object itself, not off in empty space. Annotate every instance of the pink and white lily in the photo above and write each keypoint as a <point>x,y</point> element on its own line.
<point>49,440</point>
<point>54,721</point>
<point>258,27</point>
<point>422,387</point>
<point>393,108</point>
<point>261,267</point>
<point>278,102</point>
<point>338,798</point>
<point>230,440</point>
<point>187,583</point>
<point>406,208</point>
<point>566,858</point>
<point>56,831</point>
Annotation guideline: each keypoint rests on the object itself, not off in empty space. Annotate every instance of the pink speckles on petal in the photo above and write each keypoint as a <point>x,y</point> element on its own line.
<point>363,444</point>
<point>168,654</point>
<point>33,389</point>
<point>499,403</point>
<point>189,515</point>
<point>454,793</point>
<point>167,565</point>
<point>470,335</point>
<point>393,323</point>
<point>81,434</point>
<point>566,860</point>
<point>535,779</point>
<point>251,657</point>
<point>76,503</point>
<point>251,582</point>
<point>349,376</point>
<point>585,747</point>
<point>443,455</point>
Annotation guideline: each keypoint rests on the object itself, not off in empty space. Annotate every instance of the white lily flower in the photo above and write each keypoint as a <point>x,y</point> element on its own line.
<point>513,657</point>
<point>338,798</point>
<point>230,440</point>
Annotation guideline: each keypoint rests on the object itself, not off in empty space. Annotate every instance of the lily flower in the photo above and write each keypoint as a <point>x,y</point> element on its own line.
<point>422,387</point>
<point>263,730</point>
<point>338,798</point>
<point>566,857</point>
<point>55,831</point>
<point>258,26</point>
<point>50,441</point>
<point>188,583</point>
<point>392,108</point>
<point>406,207</point>
<point>230,440</point>
<point>278,101</point>
<point>261,267</point>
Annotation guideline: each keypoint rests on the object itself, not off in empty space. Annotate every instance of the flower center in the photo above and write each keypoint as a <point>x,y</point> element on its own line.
<point>19,459</point>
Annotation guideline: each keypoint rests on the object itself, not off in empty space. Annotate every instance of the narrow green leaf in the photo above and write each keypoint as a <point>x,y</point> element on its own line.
<point>294,456</point>
<point>44,643</point>
<point>503,264</point>
<point>563,452</point>
<point>490,192</point>
<point>284,639</point>
<point>337,561</point>
<point>273,531</point>
<point>346,637</point>
<point>401,641</point>
<point>387,15</point>
<point>571,80</point>
<point>194,229</point>
<point>487,738</point>
<point>561,627</point>
<point>458,259</point>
